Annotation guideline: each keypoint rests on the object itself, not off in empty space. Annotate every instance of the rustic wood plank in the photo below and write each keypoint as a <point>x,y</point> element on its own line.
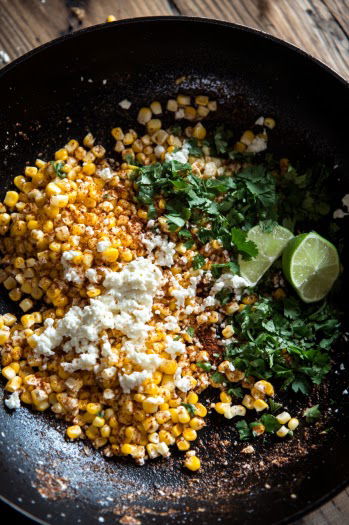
<point>320,27</point>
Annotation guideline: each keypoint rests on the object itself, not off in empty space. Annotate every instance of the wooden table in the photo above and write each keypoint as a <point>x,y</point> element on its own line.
<point>320,27</point>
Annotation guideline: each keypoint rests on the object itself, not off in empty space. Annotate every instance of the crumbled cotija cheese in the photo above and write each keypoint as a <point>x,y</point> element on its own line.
<point>13,401</point>
<point>181,155</point>
<point>163,249</point>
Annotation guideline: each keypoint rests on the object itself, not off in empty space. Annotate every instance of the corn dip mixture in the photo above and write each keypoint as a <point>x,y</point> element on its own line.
<point>123,324</point>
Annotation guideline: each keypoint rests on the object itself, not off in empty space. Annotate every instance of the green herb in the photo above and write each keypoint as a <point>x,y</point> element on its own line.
<point>194,149</point>
<point>224,296</point>
<point>198,261</point>
<point>248,249</point>
<point>205,366</point>
<point>221,137</point>
<point>58,167</point>
<point>270,422</point>
<point>217,377</point>
<point>129,159</point>
<point>243,429</point>
<point>176,130</point>
<point>236,392</point>
<point>107,196</point>
<point>285,341</point>
<point>190,408</point>
<point>191,331</point>
<point>312,414</point>
<point>218,269</point>
<point>274,406</point>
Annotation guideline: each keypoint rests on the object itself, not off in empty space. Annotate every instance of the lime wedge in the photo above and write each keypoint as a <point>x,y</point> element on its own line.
<point>270,246</point>
<point>311,264</point>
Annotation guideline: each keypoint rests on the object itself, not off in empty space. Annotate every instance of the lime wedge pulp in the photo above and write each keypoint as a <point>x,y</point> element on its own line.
<point>311,264</point>
<point>270,246</point>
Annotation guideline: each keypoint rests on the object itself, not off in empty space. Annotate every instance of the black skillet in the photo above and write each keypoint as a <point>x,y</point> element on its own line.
<point>74,84</point>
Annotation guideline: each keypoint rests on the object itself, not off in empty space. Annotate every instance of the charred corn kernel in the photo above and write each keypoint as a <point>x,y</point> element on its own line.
<point>265,387</point>
<point>19,261</point>
<point>61,154</point>
<point>183,444</point>
<point>199,132</point>
<point>213,317</point>
<point>228,331</point>
<point>201,410</point>
<point>189,434</point>
<point>153,125</point>
<point>283,418</point>
<point>258,429</point>
<point>27,320</point>
<point>110,255</point>
<point>221,407</point>
<point>163,416</point>
<point>142,214</point>
<point>19,181</point>
<point>139,397</point>
<point>156,107</point>
<point>10,283</point>
<point>15,294</point>
<point>126,255</point>
<point>42,406</point>
<point>169,366</point>
<point>11,198</point>
<point>13,384</point>
<point>92,432</point>
<point>117,133</point>
<point>248,402</point>
<point>144,115</point>
<point>177,429</point>
<point>192,463</point>
<point>249,299</point>
<point>282,432</point>
<point>166,437</point>
<point>174,414</point>
<point>235,410</point>
<point>4,336</point>
<point>8,372</point>
<point>150,407</point>
<point>183,415</point>
<point>190,113</point>
<point>52,189</point>
<point>93,408</point>
<point>269,122</point>
<point>4,219</point>
<point>93,292</point>
<point>183,100</point>
<point>201,100</point>
<point>260,405</point>
<point>172,105</point>
<point>74,432</point>
<point>196,423</point>
<point>257,394</point>
<point>89,168</point>
<point>15,366</point>
<point>224,397</point>
<point>247,137</point>
<point>26,304</point>
<point>279,294</point>
<point>192,398</point>
<point>150,424</point>
<point>98,422</point>
<point>26,397</point>
<point>293,423</point>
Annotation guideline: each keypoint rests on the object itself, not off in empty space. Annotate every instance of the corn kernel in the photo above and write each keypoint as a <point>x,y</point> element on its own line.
<point>11,198</point>
<point>282,432</point>
<point>192,463</point>
<point>293,423</point>
<point>74,432</point>
<point>283,418</point>
<point>8,372</point>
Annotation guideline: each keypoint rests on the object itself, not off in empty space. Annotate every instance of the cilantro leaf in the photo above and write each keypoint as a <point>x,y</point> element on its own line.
<point>224,296</point>
<point>243,429</point>
<point>198,261</point>
<point>218,269</point>
<point>190,408</point>
<point>205,366</point>
<point>270,422</point>
<point>311,414</point>
<point>191,331</point>
<point>194,149</point>
<point>274,406</point>
<point>248,249</point>
<point>217,377</point>
<point>58,167</point>
<point>236,392</point>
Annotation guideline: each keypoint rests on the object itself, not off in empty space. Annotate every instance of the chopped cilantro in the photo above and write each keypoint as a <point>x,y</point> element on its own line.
<point>274,406</point>
<point>176,130</point>
<point>248,249</point>
<point>205,366</point>
<point>243,429</point>
<point>236,392</point>
<point>218,269</point>
<point>198,261</point>
<point>270,422</point>
<point>286,341</point>
<point>311,414</point>
<point>217,377</point>
<point>191,331</point>
<point>224,296</point>
<point>58,167</point>
<point>194,149</point>
<point>190,408</point>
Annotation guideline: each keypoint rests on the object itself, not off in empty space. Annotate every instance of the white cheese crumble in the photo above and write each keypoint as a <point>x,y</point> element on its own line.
<point>257,145</point>
<point>163,249</point>
<point>70,274</point>
<point>92,275</point>
<point>181,155</point>
<point>182,383</point>
<point>13,401</point>
<point>4,57</point>
<point>174,347</point>
<point>125,104</point>
<point>102,245</point>
<point>105,174</point>
<point>339,214</point>
<point>259,121</point>
<point>125,306</point>
<point>230,281</point>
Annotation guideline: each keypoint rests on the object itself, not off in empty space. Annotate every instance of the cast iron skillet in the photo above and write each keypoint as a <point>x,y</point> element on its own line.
<point>72,85</point>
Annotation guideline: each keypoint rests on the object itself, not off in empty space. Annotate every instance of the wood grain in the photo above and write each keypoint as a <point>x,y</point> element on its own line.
<point>320,27</point>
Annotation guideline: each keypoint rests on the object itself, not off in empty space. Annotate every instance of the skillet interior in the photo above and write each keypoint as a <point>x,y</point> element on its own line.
<point>58,93</point>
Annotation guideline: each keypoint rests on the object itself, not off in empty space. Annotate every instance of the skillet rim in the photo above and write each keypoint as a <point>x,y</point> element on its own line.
<point>210,21</point>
